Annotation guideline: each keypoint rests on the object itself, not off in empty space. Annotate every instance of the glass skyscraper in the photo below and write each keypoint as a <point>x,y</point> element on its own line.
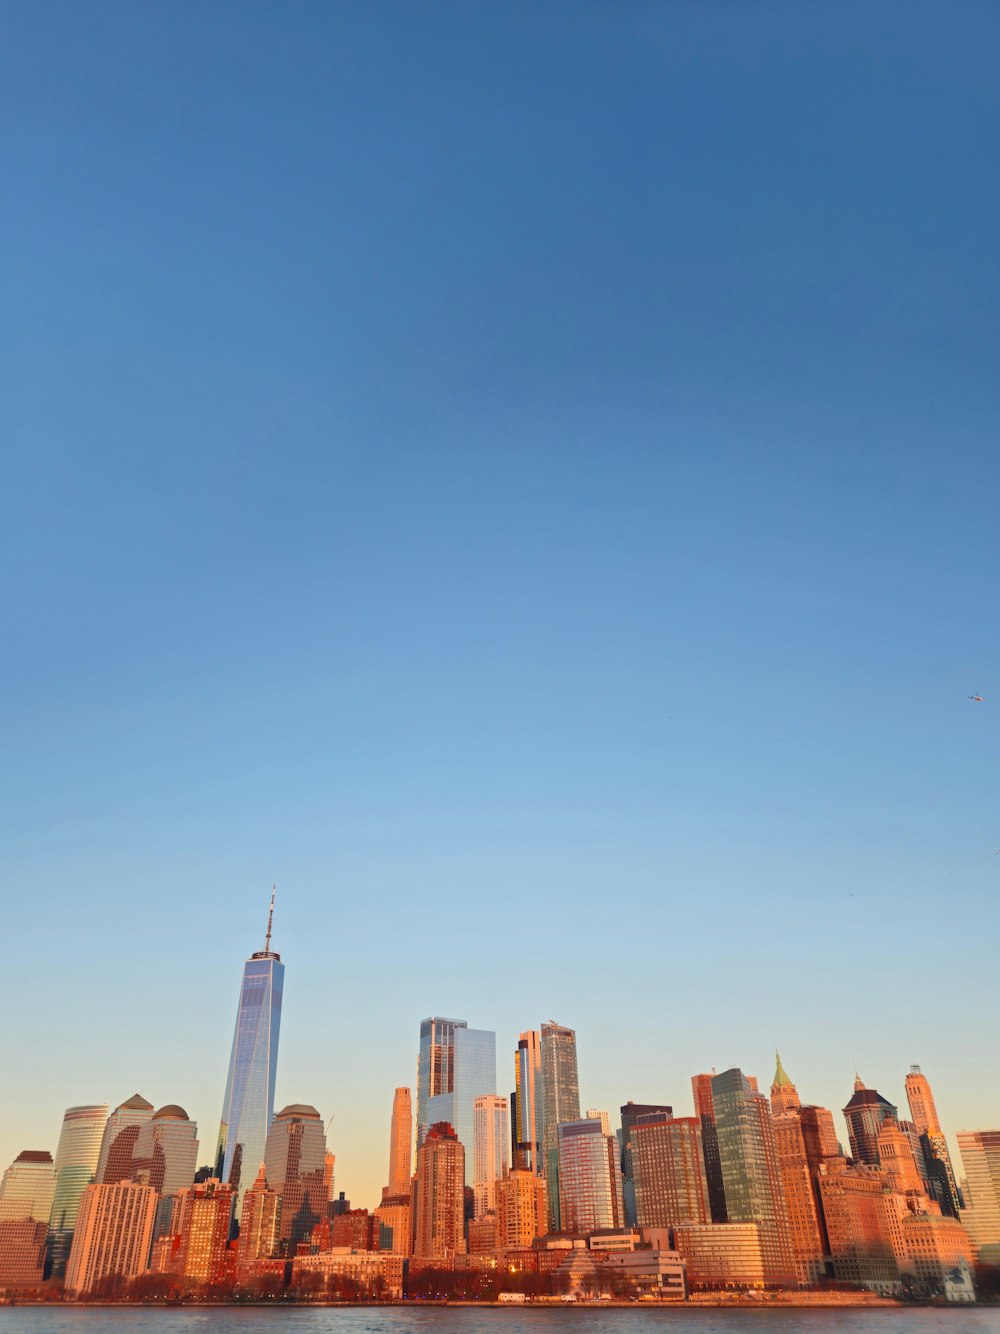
<point>457,1064</point>
<point>560,1103</point>
<point>76,1161</point>
<point>249,1102</point>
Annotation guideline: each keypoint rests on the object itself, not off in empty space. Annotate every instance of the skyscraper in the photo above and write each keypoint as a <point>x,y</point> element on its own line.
<point>522,1210</point>
<point>112,1237</point>
<point>937,1159</point>
<point>248,1105</point>
<point>560,1103</point>
<point>980,1150</point>
<point>590,1178</point>
<point>630,1113</point>
<point>456,1065</point>
<point>668,1170</point>
<point>440,1221</point>
<point>295,1167</point>
<point>864,1115</point>
<point>28,1186</point>
<point>491,1142</point>
<point>400,1145</point>
<point>76,1162</point>
<point>526,1109</point>
<point>199,1232</point>
<point>114,1162</point>
<point>259,1224</point>
<point>801,1194</point>
<point>165,1156</point>
<point>704,1109</point>
<point>751,1174</point>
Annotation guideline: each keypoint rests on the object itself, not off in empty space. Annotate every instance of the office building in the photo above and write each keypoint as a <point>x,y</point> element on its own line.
<point>114,1162</point>
<point>400,1145</point>
<point>560,1104</point>
<point>112,1238</point>
<point>937,1159</point>
<point>590,1183</point>
<point>259,1225</point>
<point>248,1105</point>
<point>165,1156</point>
<point>77,1153</point>
<point>668,1170</point>
<point>456,1065</point>
<point>491,1145</point>
<point>751,1174</point>
<point>196,1246</point>
<point>522,1210</point>
<point>721,1255</point>
<point>295,1167</point>
<point>22,1252</point>
<point>629,1114</point>
<point>980,1152</point>
<point>440,1189</point>
<point>864,1114</point>
<point>526,1105</point>
<point>862,1226</point>
<point>28,1187</point>
<point>704,1109</point>
<point>799,1188</point>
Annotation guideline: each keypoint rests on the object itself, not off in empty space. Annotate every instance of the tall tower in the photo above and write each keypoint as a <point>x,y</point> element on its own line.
<point>630,1115</point>
<point>940,1172</point>
<point>400,1144</point>
<point>980,1150</point>
<point>28,1186</point>
<point>113,1235</point>
<point>668,1170</point>
<point>750,1171</point>
<point>295,1167</point>
<point>114,1162</point>
<point>802,1202</point>
<point>526,1110</point>
<point>248,1106</point>
<point>456,1065</point>
<point>491,1141</point>
<point>864,1115</point>
<point>165,1157</point>
<point>590,1177</point>
<point>560,1103</point>
<point>440,1222</point>
<point>76,1161</point>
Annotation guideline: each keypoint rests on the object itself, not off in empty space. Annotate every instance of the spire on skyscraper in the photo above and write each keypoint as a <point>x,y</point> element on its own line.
<point>270,921</point>
<point>780,1073</point>
<point>859,1083</point>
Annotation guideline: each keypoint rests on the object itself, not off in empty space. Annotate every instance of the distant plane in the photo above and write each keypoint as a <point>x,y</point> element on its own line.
<point>978,699</point>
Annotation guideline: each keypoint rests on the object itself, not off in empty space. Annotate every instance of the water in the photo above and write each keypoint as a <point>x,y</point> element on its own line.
<point>466,1320</point>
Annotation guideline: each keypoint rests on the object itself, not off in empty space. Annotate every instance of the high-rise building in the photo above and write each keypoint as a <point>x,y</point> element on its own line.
<point>456,1065</point>
<point>22,1252</point>
<point>704,1109</point>
<point>294,1164</point>
<point>400,1145</point>
<point>797,1179</point>
<point>980,1150</point>
<point>522,1210</point>
<point>77,1153</point>
<point>259,1225</point>
<point>560,1103</point>
<point>629,1114</point>
<point>440,1205</point>
<point>28,1186</point>
<point>114,1162</point>
<point>165,1156</point>
<point>668,1170</point>
<point>751,1175</point>
<point>590,1179</point>
<point>248,1106</point>
<point>491,1143</point>
<point>199,1232</point>
<point>937,1159</point>
<point>864,1114</point>
<point>862,1225</point>
<point>111,1241</point>
<point>526,1107</point>
<point>394,1218</point>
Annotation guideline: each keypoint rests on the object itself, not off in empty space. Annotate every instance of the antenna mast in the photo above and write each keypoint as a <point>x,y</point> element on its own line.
<point>270,919</point>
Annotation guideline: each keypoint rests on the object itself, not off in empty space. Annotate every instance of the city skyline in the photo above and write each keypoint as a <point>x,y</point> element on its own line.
<point>522,479</point>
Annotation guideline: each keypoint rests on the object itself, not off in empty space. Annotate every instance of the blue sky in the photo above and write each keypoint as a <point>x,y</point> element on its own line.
<point>523,478</point>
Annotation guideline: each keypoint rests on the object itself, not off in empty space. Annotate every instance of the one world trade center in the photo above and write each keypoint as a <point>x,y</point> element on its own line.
<point>249,1103</point>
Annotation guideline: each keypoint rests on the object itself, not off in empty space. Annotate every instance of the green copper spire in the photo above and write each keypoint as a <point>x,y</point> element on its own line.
<point>781,1079</point>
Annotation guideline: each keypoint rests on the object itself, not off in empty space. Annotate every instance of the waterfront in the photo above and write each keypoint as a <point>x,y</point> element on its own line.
<point>467,1320</point>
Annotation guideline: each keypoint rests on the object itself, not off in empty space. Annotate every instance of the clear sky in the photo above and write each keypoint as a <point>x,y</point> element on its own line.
<point>523,478</point>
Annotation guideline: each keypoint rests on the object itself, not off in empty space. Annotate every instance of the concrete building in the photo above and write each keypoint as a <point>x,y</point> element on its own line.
<point>590,1183</point>
<point>668,1169</point>
<point>259,1225</point>
<point>863,1226</point>
<point>376,1272</point>
<point>522,1210</point>
<point>704,1109</point>
<point>491,1150</point>
<point>295,1167</point>
<point>400,1145</point>
<point>864,1115</point>
<point>165,1156</point>
<point>440,1189</point>
<point>114,1162</point>
<point>22,1252</point>
<point>939,1256</point>
<point>797,1180</point>
<point>112,1237</point>
<point>721,1255</point>
<point>196,1246</point>
<point>630,1113</point>
<point>394,1218</point>
<point>980,1151</point>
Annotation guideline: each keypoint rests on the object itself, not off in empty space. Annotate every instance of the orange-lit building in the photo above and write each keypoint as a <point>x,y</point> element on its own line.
<point>522,1210</point>
<point>353,1228</point>
<point>199,1233</point>
<point>797,1184</point>
<point>440,1185</point>
<point>114,1231</point>
<point>863,1225</point>
<point>668,1171</point>
<point>259,1223</point>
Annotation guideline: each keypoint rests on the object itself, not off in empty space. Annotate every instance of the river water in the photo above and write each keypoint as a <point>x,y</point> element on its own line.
<point>466,1320</point>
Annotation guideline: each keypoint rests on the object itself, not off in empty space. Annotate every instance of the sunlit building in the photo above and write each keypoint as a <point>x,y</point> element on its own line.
<point>77,1153</point>
<point>980,1150</point>
<point>862,1225</point>
<point>22,1252</point>
<point>456,1065</point>
<point>668,1170</point>
<point>590,1180</point>
<point>294,1165</point>
<point>114,1162</point>
<point>704,1110</point>
<point>864,1115</point>
<point>165,1156</point>
<point>526,1107</point>
<point>400,1144</point>
<point>798,1184</point>
<point>440,1185</point>
<point>522,1210</point>
<point>560,1104</point>
<point>721,1255</point>
<point>630,1113</point>
<point>491,1150</point>
<point>932,1139</point>
<point>248,1105</point>
<point>259,1225</point>
<point>112,1237</point>
<point>199,1233</point>
<point>28,1186</point>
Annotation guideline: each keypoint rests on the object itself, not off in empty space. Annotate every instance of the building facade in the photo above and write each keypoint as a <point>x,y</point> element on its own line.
<point>295,1167</point>
<point>114,1162</point>
<point>112,1238</point>
<point>668,1168</point>
<point>440,1204</point>
<point>704,1110</point>
<point>400,1144</point>
<point>522,1210</point>
<point>77,1153</point>
<point>590,1182</point>
<point>28,1187</point>
<point>864,1115</point>
<point>526,1106</point>
<point>165,1156</point>
<point>491,1150</point>
<point>560,1103</point>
